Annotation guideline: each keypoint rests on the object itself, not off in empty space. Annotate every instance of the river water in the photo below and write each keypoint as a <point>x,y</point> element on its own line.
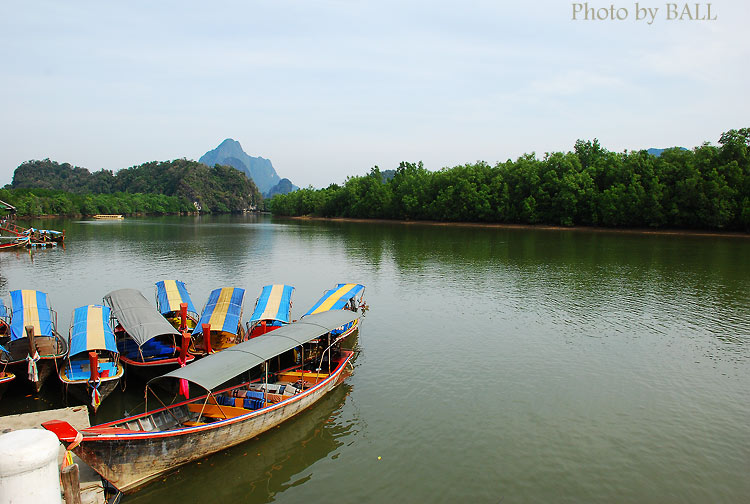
<point>495,365</point>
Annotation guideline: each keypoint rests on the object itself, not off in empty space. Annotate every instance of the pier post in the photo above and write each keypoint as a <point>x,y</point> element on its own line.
<point>28,467</point>
<point>71,484</point>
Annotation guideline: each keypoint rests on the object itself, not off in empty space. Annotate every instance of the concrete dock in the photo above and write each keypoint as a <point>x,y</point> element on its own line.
<point>92,491</point>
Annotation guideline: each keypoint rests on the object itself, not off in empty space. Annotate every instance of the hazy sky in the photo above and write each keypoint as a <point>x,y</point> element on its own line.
<point>327,89</point>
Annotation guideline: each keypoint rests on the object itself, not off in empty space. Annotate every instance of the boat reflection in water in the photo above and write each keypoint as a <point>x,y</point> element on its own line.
<point>259,469</point>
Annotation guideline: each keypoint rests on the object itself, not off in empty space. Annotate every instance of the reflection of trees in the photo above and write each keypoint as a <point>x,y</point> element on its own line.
<point>257,470</point>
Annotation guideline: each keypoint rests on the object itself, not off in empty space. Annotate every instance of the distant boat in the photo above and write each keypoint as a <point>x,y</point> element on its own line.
<point>35,346</point>
<point>170,294</point>
<point>92,369</point>
<point>108,216</point>
<point>222,318</point>
<point>134,451</point>
<point>272,309</point>
<point>148,344</point>
<point>342,297</point>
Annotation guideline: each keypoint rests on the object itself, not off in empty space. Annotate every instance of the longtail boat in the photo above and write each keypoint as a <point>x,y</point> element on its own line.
<point>4,322</point>
<point>170,294</point>
<point>92,369</point>
<point>35,346</point>
<point>221,320</point>
<point>272,309</point>
<point>133,451</point>
<point>5,376</point>
<point>347,296</point>
<point>147,342</point>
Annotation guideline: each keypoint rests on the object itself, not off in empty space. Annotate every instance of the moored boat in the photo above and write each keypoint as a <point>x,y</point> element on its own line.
<point>93,369</point>
<point>148,344</point>
<point>170,294</point>
<point>345,296</point>
<point>135,450</point>
<point>272,310</point>
<point>34,347</point>
<point>5,376</point>
<point>221,319</point>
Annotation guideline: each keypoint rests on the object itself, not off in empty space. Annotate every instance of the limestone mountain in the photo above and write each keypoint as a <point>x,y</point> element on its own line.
<point>230,153</point>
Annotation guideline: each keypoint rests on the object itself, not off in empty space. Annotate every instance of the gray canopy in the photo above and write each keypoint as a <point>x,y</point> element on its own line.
<point>140,320</point>
<point>215,369</point>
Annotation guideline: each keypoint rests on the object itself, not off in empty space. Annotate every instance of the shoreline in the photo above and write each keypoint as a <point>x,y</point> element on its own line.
<point>544,227</point>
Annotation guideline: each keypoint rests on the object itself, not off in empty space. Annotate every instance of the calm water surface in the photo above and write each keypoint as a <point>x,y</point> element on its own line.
<point>496,364</point>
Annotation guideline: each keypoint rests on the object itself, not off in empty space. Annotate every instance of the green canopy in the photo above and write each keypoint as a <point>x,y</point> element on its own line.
<point>215,369</point>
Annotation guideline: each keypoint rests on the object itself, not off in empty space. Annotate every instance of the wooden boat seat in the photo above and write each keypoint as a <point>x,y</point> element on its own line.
<point>216,411</point>
<point>295,376</point>
<point>191,423</point>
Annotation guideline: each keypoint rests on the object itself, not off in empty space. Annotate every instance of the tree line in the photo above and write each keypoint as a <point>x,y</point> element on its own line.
<point>48,188</point>
<point>704,188</point>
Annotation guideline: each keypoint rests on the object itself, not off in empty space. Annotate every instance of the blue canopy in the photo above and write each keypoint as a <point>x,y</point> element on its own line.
<point>274,303</point>
<point>336,298</point>
<point>169,295</point>
<point>223,310</point>
<point>30,308</point>
<point>3,309</point>
<point>90,330</point>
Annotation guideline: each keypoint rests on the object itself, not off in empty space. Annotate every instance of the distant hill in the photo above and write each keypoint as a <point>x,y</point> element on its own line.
<point>230,153</point>
<point>215,189</point>
<point>284,186</point>
<point>658,152</point>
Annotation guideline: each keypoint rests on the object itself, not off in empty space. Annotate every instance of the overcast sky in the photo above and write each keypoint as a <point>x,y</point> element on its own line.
<point>328,89</point>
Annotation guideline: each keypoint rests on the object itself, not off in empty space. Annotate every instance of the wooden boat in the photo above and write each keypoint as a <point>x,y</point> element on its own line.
<point>272,309</point>
<point>221,319</point>
<point>108,216</point>
<point>4,323</point>
<point>342,297</point>
<point>35,346</point>
<point>170,294</point>
<point>92,369</point>
<point>135,450</point>
<point>148,344</point>
<point>5,376</point>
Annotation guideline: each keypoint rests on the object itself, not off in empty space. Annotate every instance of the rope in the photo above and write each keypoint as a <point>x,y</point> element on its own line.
<point>68,458</point>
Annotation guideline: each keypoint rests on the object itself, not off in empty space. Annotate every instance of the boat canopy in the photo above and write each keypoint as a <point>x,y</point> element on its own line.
<point>3,310</point>
<point>274,303</point>
<point>223,310</point>
<point>336,298</point>
<point>137,316</point>
<point>30,307</point>
<point>215,369</point>
<point>90,330</point>
<point>169,295</point>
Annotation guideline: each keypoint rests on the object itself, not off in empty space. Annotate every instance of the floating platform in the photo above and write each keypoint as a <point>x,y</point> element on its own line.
<point>92,490</point>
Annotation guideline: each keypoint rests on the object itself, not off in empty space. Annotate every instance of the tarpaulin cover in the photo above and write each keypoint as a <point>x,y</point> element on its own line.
<point>223,310</point>
<point>169,295</point>
<point>215,369</point>
<point>30,308</point>
<point>90,330</point>
<point>137,316</point>
<point>336,298</point>
<point>274,303</point>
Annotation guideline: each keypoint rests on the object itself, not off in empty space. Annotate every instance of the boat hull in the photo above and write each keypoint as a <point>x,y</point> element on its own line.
<point>131,460</point>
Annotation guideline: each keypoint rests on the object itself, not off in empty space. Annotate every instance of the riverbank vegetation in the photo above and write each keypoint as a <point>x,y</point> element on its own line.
<point>49,188</point>
<point>704,188</point>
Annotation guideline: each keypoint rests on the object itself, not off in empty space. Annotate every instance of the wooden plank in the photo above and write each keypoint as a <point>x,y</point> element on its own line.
<point>216,411</point>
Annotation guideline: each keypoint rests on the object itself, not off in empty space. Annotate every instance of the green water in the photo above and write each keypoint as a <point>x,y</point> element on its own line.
<point>496,364</point>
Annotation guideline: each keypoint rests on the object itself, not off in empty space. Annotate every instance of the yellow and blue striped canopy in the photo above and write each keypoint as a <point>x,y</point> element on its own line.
<point>274,303</point>
<point>169,295</point>
<point>90,330</point>
<point>336,298</point>
<point>223,310</point>
<point>30,308</point>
